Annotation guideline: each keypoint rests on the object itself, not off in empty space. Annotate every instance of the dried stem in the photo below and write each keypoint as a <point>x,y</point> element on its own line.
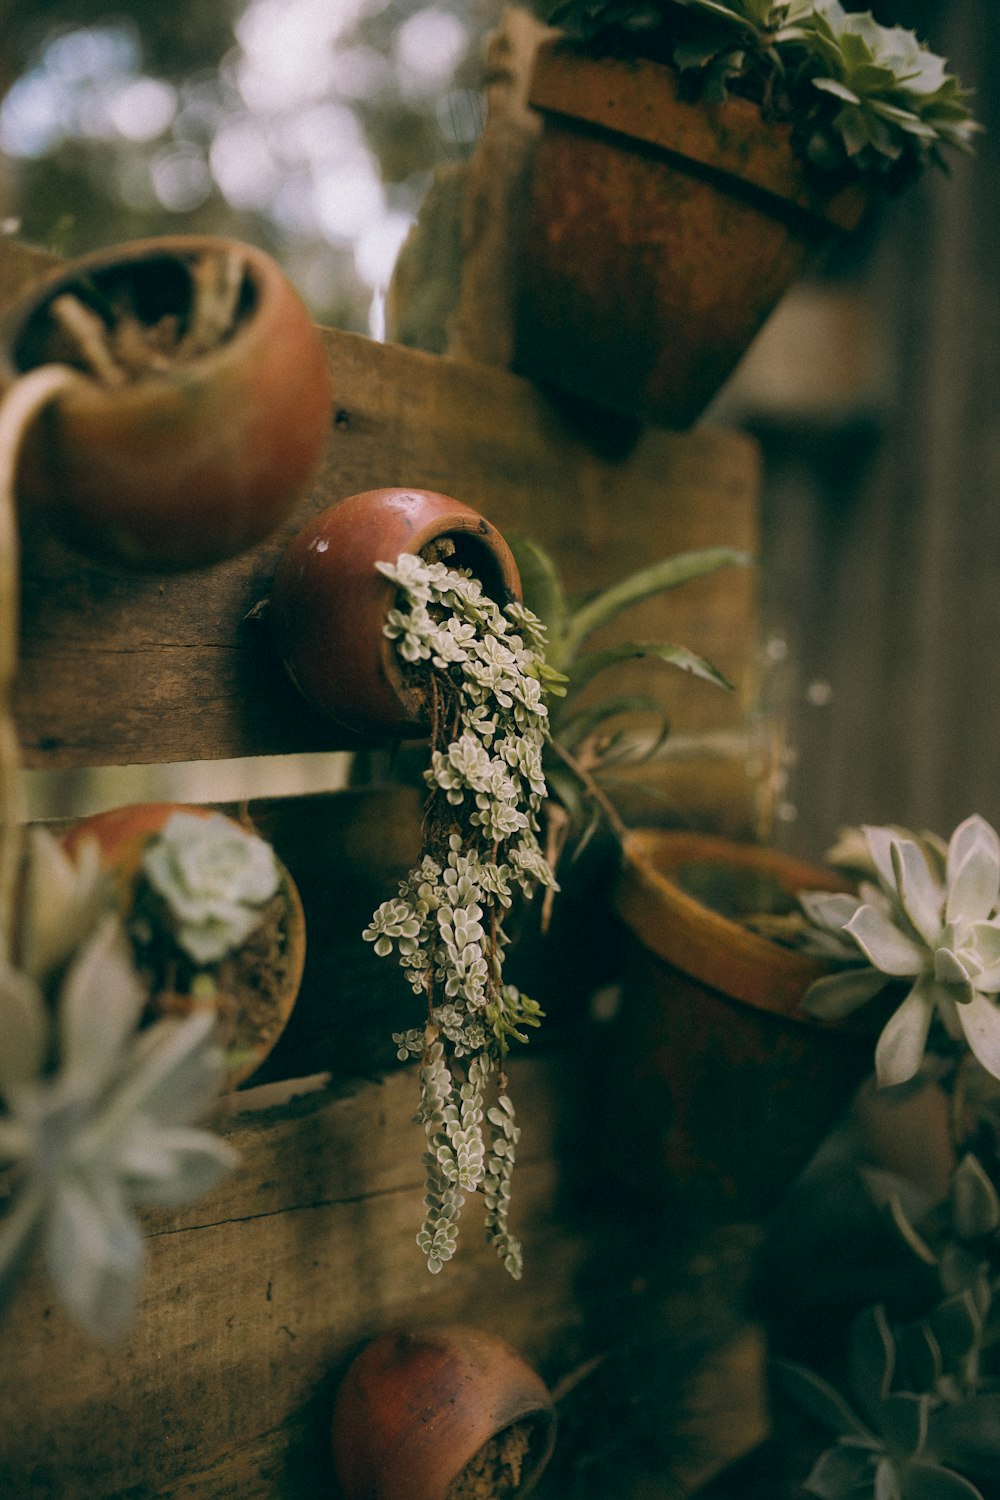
<point>217,283</point>
<point>593,790</point>
<point>18,410</point>
<point>89,334</point>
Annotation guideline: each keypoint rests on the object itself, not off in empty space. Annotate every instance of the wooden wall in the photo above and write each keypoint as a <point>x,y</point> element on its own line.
<point>255,1296</point>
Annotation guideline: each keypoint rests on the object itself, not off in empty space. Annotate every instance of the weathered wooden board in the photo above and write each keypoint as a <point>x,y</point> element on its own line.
<point>119,670</point>
<point>256,1297</point>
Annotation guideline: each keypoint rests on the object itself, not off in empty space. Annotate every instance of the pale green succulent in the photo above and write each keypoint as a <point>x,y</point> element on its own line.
<point>483,668</point>
<point>215,879</point>
<point>931,920</point>
<point>95,1120</point>
<point>862,98</point>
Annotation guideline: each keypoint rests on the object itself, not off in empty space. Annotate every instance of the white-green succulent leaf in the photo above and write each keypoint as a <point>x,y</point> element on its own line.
<point>973,871</point>
<point>872,1360</point>
<point>104,1124</point>
<point>899,1050</point>
<point>980,1019</point>
<point>975,1204</point>
<point>63,897</point>
<point>840,1472</point>
<point>824,1402</point>
<point>837,996</point>
<point>932,1481</point>
<point>25,1030</point>
<point>884,944</point>
<point>964,1433</point>
<point>215,879</point>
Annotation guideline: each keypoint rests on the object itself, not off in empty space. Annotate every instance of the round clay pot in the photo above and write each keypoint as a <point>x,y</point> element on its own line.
<point>721,1088</point>
<point>660,233</point>
<point>184,466</point>
<point>416,1408</point>
<point>329,602</point>
<point>123,833</point>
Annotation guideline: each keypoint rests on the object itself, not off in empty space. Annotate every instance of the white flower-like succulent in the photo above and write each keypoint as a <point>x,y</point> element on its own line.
<point>215,879</point>
<point>95,1120</point>
<point>931,919</point>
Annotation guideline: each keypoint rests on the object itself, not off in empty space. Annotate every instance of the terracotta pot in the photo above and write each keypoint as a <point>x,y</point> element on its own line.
<point>721,1087</point>
<point>184,467</point>
<point>329,603</point>
<point>660,234</point>
<point>123,833</point>
<point>416,1408</point>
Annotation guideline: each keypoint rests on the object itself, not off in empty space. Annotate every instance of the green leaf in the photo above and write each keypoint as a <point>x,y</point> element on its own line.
<point>839,1472</point>
<point>932,1482</point>
<point>903,1419</point>
<point>668,573</point>
<point>872,1359</point>
<point>822,1401</point>
<point>587,667</point>
<point>840,90</point>
<point>573,728</point>
<point>543,591</point>
<point>966,1434</point>
<point>975,1207</point>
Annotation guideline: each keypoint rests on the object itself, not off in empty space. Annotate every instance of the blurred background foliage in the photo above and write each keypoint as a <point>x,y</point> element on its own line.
<point>310,127</point>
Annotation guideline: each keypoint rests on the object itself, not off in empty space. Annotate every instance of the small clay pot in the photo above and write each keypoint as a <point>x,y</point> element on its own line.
<point>720,1086</point>
<point>185,465</point>
<point>123,833</point>
<point>416,1410</point>
<point>659,235</point>
<point>329,602</point>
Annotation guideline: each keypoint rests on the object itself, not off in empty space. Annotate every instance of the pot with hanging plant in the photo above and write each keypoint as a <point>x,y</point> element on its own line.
<point>694,155</point>
<point>172,397</point>
<point>397,612</point>
<point>449,1413</point>
<point>213,918</point>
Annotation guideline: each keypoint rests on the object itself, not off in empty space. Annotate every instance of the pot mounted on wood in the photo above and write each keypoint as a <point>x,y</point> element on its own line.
<point>721,1088</point>
<point>257,985</point>
<point>447,1413</point>
<point>201,406</point>
<point>329,602</point>
<point>660,233</point>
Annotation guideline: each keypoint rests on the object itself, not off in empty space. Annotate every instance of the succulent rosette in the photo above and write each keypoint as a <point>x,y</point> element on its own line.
<point>930,919</point>
<point>215,878</point>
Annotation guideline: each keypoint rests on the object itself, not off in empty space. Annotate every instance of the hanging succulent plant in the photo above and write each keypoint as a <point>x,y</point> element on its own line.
<point>481,674</point>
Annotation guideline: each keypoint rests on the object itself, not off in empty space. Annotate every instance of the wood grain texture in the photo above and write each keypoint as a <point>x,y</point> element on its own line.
<point>255,1298</point>
<point>122,670</point>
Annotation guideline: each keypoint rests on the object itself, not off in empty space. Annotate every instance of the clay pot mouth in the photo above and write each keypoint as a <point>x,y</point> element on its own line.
<point>157,277</point>
<point>541,1436</point>
<point>713,948</point>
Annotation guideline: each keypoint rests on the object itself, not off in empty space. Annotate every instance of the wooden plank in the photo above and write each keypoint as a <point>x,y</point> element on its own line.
<point>119,670</point>
<point>256,1297</point>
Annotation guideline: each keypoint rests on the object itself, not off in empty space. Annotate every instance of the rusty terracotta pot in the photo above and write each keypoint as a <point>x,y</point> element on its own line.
<point>186,466</point>
<point>416,1408</point>
<point>122,834</point>
<point>660,234</point>
<point>329,603</point>
<point>721,1087</point>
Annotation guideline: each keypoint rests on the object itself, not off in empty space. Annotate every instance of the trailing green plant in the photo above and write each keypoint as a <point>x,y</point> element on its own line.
<point>484,679</point>
<point>929,920</point>
<point>96,1109</point>
<point>861,97</point>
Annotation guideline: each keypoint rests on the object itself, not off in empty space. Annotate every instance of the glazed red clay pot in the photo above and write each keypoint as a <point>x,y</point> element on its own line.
<point>721,1087</point>
<point>190,465</point>
<point>329,602</point>
<point>123,833</point>
<point>416,1408</point>
<point>660,234</point>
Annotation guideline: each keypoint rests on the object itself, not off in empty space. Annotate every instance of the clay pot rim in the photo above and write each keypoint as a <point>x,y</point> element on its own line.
<point>711,948</point>
<point>264,274</point>
<point>294,918</point>
<point>533,1401</point>
<point>638,99</point>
